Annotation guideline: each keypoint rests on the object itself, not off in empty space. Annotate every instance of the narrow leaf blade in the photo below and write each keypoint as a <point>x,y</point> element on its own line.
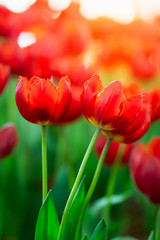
<point>100,231</point>
<point>47,223</point>
<point>84,238</point>
<point>74,213</point>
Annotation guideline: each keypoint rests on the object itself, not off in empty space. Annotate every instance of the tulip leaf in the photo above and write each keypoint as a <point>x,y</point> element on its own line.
<point>124,238</point>
<point>151,236</point>
<point>157,227</point>
<point>115,199</point>
<point>74,211</point>
<point>100,231</point>
<point>84,238</point>
<point>47,223</point>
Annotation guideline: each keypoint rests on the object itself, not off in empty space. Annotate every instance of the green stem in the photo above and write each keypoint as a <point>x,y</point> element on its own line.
<point>92,186</point>
<point>76,183</point>
<point>44,164</point>
<point>111,185</point>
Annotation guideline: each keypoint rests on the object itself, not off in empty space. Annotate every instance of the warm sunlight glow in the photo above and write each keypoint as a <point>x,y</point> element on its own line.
<point>25,39</point>
<point>17,5</point>
<point>122,10</point>
<point>119,10</point>
<point>59,4</point>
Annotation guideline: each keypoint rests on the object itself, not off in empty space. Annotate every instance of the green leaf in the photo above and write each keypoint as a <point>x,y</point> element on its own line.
<point>157,227</point>
<point>151,236</point>
<point>100,231</point>
<point>1,216</point>
<point>115,199</point>
<point>47,223</point>
<point>124,238</point>
<point>74,213</point>
<point>84,237</point>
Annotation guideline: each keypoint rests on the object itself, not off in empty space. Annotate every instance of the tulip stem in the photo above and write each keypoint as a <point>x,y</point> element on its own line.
<point>93,185</point>
<point>111,186</point>
<point>44,164</point>
<point>76,183</point>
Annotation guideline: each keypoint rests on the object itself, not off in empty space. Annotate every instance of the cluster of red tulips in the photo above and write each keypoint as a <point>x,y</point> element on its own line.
<point>60,79</point>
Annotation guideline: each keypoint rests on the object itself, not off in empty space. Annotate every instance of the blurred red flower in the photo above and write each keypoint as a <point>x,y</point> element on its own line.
<point>4,76</point>
<point>142,66</point>
<point>11,54</point>
<point>121,116</point>
<point>145,168</point>
<point>123,150</point>
<point>8,139</point>
<point>39,101</point>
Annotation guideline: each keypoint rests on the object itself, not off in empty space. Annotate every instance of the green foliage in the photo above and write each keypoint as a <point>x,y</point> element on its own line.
<point>101,203</point>
<point>84,238</point>
<point>47,223</point>
<point>74,212</point>
<point>157,228</point>
<point>124,238</point>
<point>100,231</point>
<point>151,236</point>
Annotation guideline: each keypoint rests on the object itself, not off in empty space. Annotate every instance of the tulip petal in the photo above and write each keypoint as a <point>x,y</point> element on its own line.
<point>88,98</point>
<point>64,100</point>
<point>109,105</point>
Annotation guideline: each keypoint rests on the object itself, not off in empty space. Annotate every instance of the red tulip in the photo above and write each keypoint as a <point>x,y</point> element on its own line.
<point>39,101</point>
<point>8,139</point>
<point>142,67</point>
<point>122,117</point>
<point>154,97</point>
<point>4,76</point>
<point>123,150</point>
<point>11,54</point>
<point>145,169</point>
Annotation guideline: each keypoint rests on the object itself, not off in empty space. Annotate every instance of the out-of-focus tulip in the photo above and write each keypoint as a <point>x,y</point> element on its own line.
<point>142,67</point>
<point>145,169</point>
<point>123,118</point>
<point>40,102</point>
<point>11,54</point>
<point>4,76</point>
<point>115,149</point>
<point>74,67</point>
<point>8,139</point>
<point>39,63</point>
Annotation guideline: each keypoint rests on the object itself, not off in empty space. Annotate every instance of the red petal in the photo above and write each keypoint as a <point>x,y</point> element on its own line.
<point>91,89</point>
<point>4,76</point>
<point>64,100</point>
<point>109,103</point>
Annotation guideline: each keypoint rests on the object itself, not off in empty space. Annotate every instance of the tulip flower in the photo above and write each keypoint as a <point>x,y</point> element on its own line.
<point>4,76</point>
<point>11,54</point>
<point>39,101</point>
<point>8,139</point>
<point>142,67</point>
<point>123,117</point>
<point>145,169</point>
<point>123,150</point>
